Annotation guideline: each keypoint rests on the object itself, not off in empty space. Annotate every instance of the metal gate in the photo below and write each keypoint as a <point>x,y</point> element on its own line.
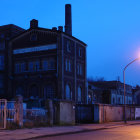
<point>84,113</point>
<point>3,107</point>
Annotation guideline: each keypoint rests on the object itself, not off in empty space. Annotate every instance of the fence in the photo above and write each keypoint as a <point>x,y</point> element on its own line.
<point>35,117</point>
<point>15,114</point>
<point>84,113</point>
<point>100,113</point>
<point>12,114</point>
<point>3,104</point>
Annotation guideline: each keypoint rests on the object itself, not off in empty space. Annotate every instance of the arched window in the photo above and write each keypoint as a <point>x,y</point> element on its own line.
<point>19,90</point>
<point>49,91</point>
<point>79,98</point>
<point>34,91</point>
<point>113,100</point>
<point>68,92</point>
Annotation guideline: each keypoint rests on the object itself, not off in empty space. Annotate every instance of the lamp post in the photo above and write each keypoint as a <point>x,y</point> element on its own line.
<point>124,86</point>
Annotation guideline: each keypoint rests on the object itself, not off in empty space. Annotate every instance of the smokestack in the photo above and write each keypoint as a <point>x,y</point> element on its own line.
<point>68,19</point>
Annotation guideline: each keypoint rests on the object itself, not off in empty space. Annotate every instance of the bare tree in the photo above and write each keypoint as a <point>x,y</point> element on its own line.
<point>92,79</point>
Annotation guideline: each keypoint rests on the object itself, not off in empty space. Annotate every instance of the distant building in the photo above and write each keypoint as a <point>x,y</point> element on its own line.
<point>48,63</point>
<point>94,94</point>
<point>6,33</point>
<point>110,92</point>
<point>136,95</point>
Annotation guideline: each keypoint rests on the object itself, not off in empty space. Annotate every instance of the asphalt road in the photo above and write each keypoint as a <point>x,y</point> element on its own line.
<point>131,132</point>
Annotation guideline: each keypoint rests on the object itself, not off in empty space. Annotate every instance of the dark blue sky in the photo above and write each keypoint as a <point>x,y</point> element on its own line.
<point>110,28</point>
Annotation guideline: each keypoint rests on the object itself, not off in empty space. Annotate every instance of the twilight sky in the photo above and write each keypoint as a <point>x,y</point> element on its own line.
<point>110,28</point>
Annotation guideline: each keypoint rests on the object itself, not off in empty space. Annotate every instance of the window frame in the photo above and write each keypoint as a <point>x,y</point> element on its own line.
<point>2,61</point>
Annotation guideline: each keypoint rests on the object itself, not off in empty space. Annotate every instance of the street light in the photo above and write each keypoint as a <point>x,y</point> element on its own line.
<point>124,86</point>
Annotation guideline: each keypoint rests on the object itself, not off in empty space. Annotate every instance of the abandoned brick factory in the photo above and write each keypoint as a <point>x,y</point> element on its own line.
<point>43,80</point>
<point>40,63</point>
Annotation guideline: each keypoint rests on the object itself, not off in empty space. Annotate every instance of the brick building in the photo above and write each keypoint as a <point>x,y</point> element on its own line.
<point>48,63</point>
<point>6,33</point>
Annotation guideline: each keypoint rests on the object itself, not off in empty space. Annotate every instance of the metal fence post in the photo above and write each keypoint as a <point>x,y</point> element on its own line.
<point>5,109</point>
<point>19,111</point>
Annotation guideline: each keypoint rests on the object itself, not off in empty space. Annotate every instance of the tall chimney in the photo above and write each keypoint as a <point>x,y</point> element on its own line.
<point>68,19</point>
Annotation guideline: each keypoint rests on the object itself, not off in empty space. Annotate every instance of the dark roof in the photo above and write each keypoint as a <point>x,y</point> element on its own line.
<point>10,26</point>
<point>106,84</point>
<point>45,29</point>
<point>9,31</point>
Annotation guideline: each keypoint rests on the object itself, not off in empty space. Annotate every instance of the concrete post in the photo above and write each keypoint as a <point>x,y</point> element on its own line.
<point>19,111</point>
<point>49,105</point>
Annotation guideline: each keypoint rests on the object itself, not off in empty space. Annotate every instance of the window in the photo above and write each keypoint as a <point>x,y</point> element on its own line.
<point>68,92</point>
<point>79,98</point>
<point>113,100</point>
<point>31,65</point>
<point>119,100</point>
<point>2,45</point>
<point>2,35</point>
<point>23,67</point>
<point>80,52</point>
<point>20,67</point>
<point>68,46</point>
<point>68,65</point>
<point>51,64</point>
<point>89,98</point>
<point>48,64</point>
<point>34,66</point>
<point>79,69</point>
<point>45,65</point>
<point>34,91</point>
<point>17,68</point>
<point>1,62</point>
<point>20,91</point>
<point>49,92</point>
<point>2,91</point>
<point>1,81</point>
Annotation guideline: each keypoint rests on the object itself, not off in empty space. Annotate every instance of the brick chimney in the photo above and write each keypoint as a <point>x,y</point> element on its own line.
<point>34,23</point>
<point>68,19</point>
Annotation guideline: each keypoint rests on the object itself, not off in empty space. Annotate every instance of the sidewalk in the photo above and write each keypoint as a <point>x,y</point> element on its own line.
<point>22,134</point>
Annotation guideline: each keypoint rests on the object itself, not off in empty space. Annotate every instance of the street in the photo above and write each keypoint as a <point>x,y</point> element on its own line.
<point>131,132</point>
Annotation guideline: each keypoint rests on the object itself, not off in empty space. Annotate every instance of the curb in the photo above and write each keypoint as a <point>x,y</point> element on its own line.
<point>80,131</point>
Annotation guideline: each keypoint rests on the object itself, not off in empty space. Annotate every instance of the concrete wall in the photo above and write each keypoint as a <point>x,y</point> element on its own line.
<point>66,113</point>
<point>110,113</point>
<point>137,113</point>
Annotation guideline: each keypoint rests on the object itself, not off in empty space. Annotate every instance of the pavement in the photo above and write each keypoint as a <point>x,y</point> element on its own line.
<point>24,134</point>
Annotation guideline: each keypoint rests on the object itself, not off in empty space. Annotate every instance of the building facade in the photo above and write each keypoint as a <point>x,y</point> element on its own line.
<point>111,92</point>
<point>6,33</point>
<point>48,63</point>
<point>136,95</point>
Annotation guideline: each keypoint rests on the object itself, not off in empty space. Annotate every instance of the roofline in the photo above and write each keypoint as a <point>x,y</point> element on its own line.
<point>108,82</point>
<point>10,25</point>
<point>45,29</point>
